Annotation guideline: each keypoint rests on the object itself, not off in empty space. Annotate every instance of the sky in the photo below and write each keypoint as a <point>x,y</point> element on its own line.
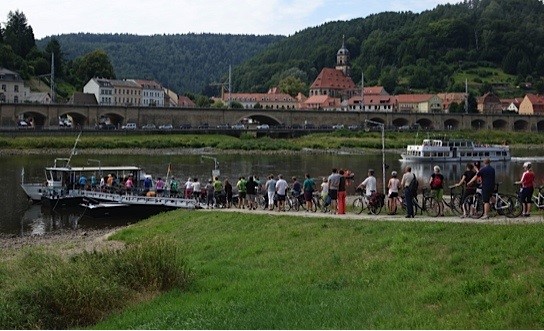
<point>146,17</point>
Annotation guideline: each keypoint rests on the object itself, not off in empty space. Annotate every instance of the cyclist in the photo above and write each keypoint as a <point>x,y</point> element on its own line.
<point>469,189</point>
<point>436,182</point>
<point>527,187</point>
<point>308,186</point>
<point>369,184</point>
<point>487,174</point>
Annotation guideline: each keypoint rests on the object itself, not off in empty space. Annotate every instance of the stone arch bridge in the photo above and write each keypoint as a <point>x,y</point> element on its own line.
<point>47,117</point>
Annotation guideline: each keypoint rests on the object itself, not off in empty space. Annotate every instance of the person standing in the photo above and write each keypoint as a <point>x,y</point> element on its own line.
<point>487,175</point>
<point>369,184</point>
<point>527,188</point>
<point>197,194</point>
<point>242,189</point>
<point>469,189</point>
<point>334,182</point>
<point>217,191</point>
<point>436,182</point>
<point>188,188</point>
<point>308,186</point>
<point>270,190</point>
<point>406,184</point>
<point>251,189</point>
<point>281,190</point>
<point>174,187</point>
<point>342,193</point>
<point>393,193</point>
<point>228,192</point>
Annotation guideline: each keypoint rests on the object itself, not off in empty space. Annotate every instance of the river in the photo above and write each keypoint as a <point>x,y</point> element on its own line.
<point>19,217</point>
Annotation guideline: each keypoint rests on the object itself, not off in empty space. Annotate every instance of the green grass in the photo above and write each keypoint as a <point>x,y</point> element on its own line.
<point>284,272</point>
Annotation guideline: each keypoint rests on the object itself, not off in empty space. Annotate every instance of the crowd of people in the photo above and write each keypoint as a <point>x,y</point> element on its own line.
<point>244,193</point>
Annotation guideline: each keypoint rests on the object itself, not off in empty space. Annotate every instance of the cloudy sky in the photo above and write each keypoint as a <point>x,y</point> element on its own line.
<point>146,17</point>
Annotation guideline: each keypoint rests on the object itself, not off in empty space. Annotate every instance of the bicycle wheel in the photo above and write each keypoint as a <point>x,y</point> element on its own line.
<point>375,209</point>
<point>431,206</point>
<point>456,205</point>
<point>288,204</point>
<point>314,204</point>
<point>474,205</point>
<point>358,205</point>
<point>516,207</point>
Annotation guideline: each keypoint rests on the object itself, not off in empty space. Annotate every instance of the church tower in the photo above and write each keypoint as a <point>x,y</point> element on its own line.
<point>342,59</point>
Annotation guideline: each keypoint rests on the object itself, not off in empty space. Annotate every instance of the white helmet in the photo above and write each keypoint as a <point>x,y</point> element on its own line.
<point>527,165</point>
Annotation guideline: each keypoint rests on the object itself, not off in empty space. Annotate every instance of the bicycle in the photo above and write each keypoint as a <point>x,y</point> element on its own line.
<point>298,202</point>
<point>321,203</point>
<point>538,198</point>
<point>429,205</point>
<point>455,203</point>
<point>503,204</point>
<point>374,203</point>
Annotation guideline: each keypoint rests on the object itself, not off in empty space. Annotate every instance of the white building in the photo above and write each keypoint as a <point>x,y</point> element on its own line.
<point>152,93</point>
<point>12,87</point>
<point>102,90</point>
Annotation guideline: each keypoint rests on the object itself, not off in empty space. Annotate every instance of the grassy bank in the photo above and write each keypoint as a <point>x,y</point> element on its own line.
<point>42,290</point>
<point>335,140</point>
<point>285,272</point>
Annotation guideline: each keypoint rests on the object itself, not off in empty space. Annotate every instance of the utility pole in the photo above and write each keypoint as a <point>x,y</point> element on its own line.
<point>466,96</point>
<point>53,77</point>
<point>362,91</point>
<point>230,86</point>
<point>382,126</point>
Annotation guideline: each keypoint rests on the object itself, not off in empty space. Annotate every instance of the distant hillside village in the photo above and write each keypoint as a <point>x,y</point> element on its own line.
<point>332,90</point>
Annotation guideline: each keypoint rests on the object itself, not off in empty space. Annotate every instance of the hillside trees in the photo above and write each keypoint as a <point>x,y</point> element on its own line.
<point>18,34</point>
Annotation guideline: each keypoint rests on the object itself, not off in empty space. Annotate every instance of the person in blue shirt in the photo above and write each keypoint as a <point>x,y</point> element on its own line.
<point>487,175</point>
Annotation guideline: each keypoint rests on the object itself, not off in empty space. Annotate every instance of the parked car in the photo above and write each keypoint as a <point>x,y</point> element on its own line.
<point>296,126</point>
<point>263,127</point>
<point>166,127</point>
<point>354,127</point>
<point>309,126</point>
<point>185,126</point>
<point>130,126</point>
<point>149,127</point>
<point>22,124</point>
<point>203,126</point>
<point>238,126</point>
<point>338,126</point>
<point>223,126</point>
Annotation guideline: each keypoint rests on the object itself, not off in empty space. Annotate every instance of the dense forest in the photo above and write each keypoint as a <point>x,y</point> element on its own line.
<point>183,63</point>
<point>491,43</point>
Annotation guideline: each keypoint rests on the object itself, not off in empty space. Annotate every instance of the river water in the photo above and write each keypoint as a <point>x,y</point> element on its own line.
<point>19,217</point>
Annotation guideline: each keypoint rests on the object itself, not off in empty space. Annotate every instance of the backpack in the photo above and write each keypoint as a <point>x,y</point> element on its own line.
<point>436,182</point>
<point>414,185</point>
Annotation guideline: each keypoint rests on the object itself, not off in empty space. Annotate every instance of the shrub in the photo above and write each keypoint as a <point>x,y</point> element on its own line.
<point>65,294</point>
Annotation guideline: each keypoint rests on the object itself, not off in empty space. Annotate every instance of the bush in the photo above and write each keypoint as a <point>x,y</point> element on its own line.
<point>57,294</point>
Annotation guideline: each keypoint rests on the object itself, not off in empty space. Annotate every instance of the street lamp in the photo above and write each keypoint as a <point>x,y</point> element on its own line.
<point>382,126</point>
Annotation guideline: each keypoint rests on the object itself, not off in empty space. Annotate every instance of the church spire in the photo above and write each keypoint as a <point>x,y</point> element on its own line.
<point>342,59</point>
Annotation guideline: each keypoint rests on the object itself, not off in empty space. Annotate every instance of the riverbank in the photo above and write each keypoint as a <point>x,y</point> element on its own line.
<point>65,242</point>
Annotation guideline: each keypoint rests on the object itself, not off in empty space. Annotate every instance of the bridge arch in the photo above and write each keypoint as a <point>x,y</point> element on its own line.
<point>378,119</point>
<point>521,125</point>
<point>540,126</point>
<point>262,119</point>
<point>78,119</point>
<point>37,119</point>
<point>451,124</point>
<point>113,118</point>
<point>477,124</point>
<point>500,124</point>
<point>400,121</point>
<point>425,123</point>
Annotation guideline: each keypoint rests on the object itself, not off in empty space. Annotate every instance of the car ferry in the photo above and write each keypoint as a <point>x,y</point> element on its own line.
<point>454,150</point>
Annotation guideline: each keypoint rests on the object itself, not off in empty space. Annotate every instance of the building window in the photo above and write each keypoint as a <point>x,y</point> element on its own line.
<point>15,99</point>
<point>16,88</point>
<point>4,87</point>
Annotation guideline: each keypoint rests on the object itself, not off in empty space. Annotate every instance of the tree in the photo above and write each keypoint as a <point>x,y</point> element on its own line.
<point>292,86</point>
<point>94,64</point>
<point>18,34</point>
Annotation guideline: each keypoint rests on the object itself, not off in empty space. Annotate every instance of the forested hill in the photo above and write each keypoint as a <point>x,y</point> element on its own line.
<point>184,63</point>
<point>434,50</point>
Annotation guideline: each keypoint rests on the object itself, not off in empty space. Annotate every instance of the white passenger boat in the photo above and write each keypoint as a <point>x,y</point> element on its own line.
<point>454,150</point>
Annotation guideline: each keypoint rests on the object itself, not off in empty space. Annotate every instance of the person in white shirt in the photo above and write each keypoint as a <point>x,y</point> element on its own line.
<point>369,184</point>
<point>188,188</point>
<point>281,189</point>
<point>196,189</point>
<point>271,191</point>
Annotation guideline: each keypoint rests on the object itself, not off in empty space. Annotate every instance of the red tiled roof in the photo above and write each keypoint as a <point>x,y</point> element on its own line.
<point>413,98</point>
<point>375,90</point>
<point>372,100</point>
<point>535,99</point>
<point>330,78</point>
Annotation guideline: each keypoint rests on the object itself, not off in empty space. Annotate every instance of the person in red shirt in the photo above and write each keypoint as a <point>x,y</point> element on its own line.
<point>527,187</point>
